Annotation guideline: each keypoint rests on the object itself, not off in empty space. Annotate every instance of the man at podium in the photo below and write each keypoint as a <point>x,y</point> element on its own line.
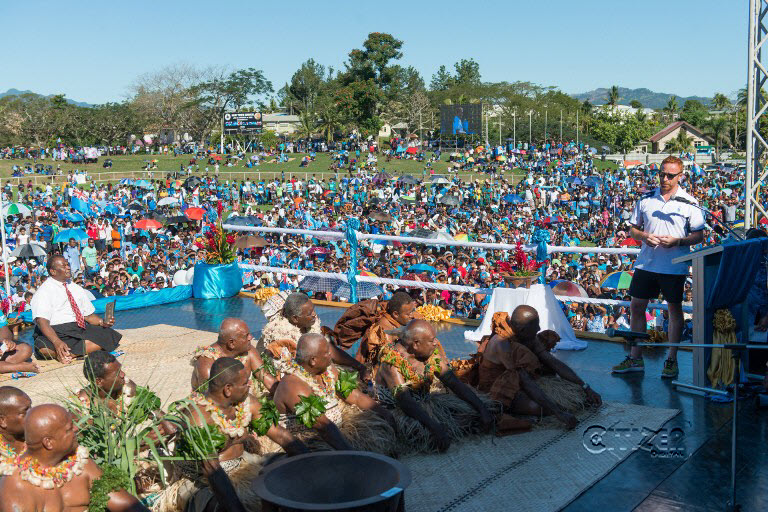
<point>668,223</point>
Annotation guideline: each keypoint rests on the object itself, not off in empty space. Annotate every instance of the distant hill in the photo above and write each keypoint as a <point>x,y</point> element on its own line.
<point>16,92</point>
<point>647,97</point>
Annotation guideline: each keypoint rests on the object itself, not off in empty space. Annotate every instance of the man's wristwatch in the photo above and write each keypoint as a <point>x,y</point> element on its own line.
<point>585,386</point>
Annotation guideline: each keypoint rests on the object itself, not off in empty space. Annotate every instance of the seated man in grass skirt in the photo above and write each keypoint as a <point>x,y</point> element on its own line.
<point>296,318</point>
<point>66,325</point>
<point>234,341</point>
<point>315,397</point>
<point>405,377</point>
<point>14,404</point>
<point>512,366</point>
<point>221,421</point>
<point>55,474</point>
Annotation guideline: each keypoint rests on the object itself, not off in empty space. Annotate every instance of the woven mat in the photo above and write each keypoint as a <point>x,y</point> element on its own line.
<point>156,356</point>
<point>543,470</point>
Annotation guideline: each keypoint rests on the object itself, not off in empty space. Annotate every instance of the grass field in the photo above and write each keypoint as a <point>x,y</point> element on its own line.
<point>131,167</point>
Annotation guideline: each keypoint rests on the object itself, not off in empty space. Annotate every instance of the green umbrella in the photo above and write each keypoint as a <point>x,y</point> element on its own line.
<point>17,208</point>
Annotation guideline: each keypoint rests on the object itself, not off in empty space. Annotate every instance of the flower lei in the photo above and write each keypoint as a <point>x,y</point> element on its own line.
<point>212,352</point>
<point>9,459</point>
<point>412,377</point>
<point>54,476</point>
<point>326,389</point>
<point>234,428</point>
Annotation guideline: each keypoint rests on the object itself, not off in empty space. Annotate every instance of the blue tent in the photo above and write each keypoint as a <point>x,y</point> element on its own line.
<point>423,267</point>
<point>512,199</point>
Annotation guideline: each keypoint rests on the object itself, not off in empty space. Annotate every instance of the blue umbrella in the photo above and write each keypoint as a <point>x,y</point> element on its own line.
<point>143,184</point>
<point>126,181</point>
<point>73,217</point>
<point>592,181</point>
<point>65,235</point>
<point>423,267</point>
<point>113,209</point>
<point>512,199</point>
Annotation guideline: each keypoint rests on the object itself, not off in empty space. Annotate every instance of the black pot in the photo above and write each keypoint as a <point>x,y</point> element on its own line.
<point>336,480</point>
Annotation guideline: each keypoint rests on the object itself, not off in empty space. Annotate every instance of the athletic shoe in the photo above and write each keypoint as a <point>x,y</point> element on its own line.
<point>670,370</point>
<point>629,365</point>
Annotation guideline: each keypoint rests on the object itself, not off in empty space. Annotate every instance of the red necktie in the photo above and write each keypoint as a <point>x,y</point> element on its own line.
<point>76,310</point>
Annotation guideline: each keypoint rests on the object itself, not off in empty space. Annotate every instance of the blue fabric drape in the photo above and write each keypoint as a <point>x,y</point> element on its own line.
<point>541,237</point>
<point>217,281</point>
<point>736,274</point>
<point>353,224</point>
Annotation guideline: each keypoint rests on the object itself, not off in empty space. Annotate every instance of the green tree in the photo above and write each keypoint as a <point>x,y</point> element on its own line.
<point>467,72</point>
<point>442,80</point>
<point>680,144</point>
<point>360,101</point>
<point>717,126</point>
<point>671,108</point>
<point>694,112</point>
<point>721,102</point>
<point>307,84</point>
<point>635,104</point>
<point>612,98</point>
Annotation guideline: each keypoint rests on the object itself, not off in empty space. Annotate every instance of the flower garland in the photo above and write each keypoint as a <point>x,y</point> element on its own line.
<point>234,428</point>
<point>9,459</point>
<point>213,352</point>
<point>54,476</point>
<point>392,357</point>
<point>326,389</point>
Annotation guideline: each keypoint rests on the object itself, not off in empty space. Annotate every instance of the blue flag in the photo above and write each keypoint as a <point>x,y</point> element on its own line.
<point>80,205</point>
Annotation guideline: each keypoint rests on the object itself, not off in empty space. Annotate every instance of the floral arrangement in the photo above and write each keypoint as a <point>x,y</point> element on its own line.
<point>218,244</point>
<point>523,265</point>
<point>433,313</point>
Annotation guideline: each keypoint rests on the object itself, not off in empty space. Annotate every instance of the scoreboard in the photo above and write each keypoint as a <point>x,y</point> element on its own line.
<point>242,122</point>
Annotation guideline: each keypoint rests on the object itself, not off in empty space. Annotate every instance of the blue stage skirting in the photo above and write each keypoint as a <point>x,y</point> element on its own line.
<point>135,300</point>
<point>217,281</point>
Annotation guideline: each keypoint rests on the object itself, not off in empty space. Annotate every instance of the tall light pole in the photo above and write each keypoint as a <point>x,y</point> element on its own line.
<point>577,127</point>
<point>545,125</point>
<point>500,125</point>
<point>561,126</point>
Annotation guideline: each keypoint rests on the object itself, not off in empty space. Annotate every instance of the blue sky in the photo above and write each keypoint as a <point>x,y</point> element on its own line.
<point>92,51</point>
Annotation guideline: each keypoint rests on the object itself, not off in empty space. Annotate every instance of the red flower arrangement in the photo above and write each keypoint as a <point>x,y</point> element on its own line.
<point>218,243</point>
<point>525,266</point>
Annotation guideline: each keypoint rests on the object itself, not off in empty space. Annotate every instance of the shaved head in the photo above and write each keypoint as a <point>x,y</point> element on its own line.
<point>44,421</point>
<point>11,397</point>
<point>416,327</point>
<point>523,315</point>
<point>309,345</point>
<point>229,328</point>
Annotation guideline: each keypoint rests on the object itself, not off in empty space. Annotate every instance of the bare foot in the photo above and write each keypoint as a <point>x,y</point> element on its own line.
<point>28,367</point>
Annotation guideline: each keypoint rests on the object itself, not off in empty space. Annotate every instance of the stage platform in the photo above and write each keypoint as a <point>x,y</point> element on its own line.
<point>161,339</point>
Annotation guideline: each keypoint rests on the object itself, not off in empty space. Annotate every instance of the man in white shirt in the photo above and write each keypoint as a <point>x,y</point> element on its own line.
<point>667,229</point>
<point>66,325</point>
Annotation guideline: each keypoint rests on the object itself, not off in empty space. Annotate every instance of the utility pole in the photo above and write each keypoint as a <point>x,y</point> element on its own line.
<point>222,135</point>
<point>545,125</point>
<point>530,127</point>
<point>500,125</point>
<point>486,127</point>
<point>577,127</point>
<point>561,126</point>
<point>514,130</point>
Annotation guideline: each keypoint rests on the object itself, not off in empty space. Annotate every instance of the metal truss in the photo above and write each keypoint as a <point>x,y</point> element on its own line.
<point>757,104</point>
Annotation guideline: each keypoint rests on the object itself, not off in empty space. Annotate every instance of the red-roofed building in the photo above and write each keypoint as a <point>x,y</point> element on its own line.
<point>660,139</point>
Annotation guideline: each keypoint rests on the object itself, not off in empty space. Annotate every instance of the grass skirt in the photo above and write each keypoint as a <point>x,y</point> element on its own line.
<point>177,495</point>
<point>566,395</point>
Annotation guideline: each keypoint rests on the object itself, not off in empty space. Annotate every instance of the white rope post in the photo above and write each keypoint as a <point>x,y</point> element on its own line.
<point>5,246</point>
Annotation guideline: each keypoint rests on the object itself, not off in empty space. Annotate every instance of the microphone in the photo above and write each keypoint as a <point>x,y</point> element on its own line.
<point>714,217</point>
<point>628,335</point>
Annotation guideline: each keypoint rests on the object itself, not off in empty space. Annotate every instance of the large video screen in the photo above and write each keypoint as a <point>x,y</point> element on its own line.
<point>464,119</point>
<point>242,122</point>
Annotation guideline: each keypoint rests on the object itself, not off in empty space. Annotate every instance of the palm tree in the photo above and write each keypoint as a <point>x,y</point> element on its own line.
<point>612,98</point>
<point>671,108</point>
<point>718,127</point>
<point>307,123</point>
<point>680,144</point>
<point>721,101</point>
<point>330,121</point>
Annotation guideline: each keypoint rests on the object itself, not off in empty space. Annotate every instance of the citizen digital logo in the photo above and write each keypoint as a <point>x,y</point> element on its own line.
<point>661,443</point>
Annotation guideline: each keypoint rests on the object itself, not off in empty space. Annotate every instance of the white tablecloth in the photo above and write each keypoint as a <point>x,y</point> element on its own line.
<point>539,296</point>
